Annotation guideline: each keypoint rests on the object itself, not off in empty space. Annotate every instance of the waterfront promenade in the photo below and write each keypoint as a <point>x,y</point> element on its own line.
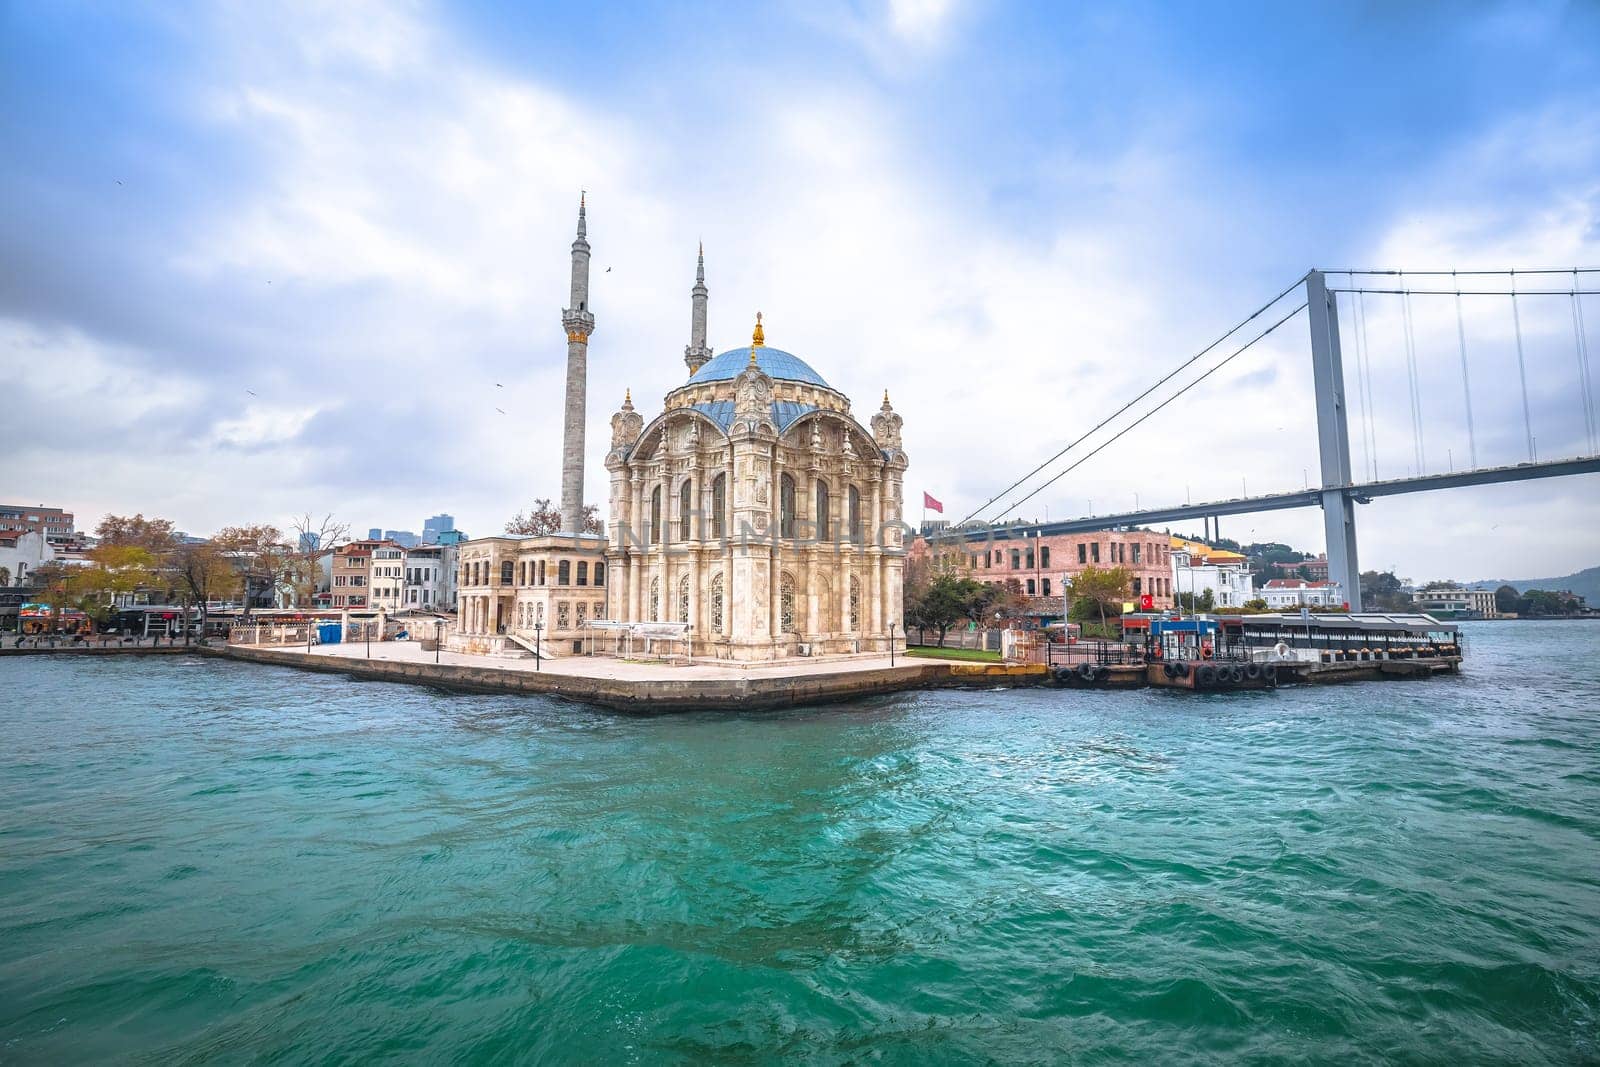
<point>638,685</point>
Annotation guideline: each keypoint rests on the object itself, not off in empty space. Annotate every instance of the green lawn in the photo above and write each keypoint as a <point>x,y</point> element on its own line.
<point>977,655</point>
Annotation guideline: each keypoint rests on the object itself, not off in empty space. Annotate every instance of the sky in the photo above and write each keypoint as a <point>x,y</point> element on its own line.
<point>258,260</point>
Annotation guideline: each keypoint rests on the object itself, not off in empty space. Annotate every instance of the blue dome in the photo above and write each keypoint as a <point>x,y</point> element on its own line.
<point>775,362</point>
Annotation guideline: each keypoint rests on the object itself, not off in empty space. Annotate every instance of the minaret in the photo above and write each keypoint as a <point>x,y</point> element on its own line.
<point>696,354</point>
<point>579,324</point>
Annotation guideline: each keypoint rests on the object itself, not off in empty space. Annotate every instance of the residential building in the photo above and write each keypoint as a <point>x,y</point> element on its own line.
<point>21,553</point>
<point>426,574</point>
<point>1198,567</point>
<point>387,576</point>
<point>351,575</point>
<point>53,523</point>
<point>1282,593</point>
<point>432,528</point>
<point>1453,600</point>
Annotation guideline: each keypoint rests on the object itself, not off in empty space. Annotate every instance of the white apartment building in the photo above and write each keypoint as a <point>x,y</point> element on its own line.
<point>387,577</point>
<point>1294,593</point>
<point>1198,567</point>
<point>426,577</point>
<point>1454,600</point>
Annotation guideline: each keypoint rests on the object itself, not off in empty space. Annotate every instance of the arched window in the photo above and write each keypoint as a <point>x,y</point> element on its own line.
<point>719,506</point>
<point>655,515</point>
<point>507,572</point>
<point>716,602</point>
<point>685,508</point>
<point>855,515</point>
<point>541,572</point>
<point>786,506</point>
<point>564,572</point>
<point>583,572</point>
<point>655,599</point>
<point>824,518</point>
<point>786,603</point>
<point>853,619</point>
<point>683,599</point>
<point>599,574</point>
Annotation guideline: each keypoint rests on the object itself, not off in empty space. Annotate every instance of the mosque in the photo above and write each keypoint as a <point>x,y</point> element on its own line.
<point>754,511</point>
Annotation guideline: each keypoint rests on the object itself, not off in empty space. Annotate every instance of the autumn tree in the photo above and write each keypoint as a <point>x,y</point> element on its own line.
<point>259,554</point>
<point>156,535</point>
<point>115,571</point>
<point>205,572</point>
<point>544,519</point>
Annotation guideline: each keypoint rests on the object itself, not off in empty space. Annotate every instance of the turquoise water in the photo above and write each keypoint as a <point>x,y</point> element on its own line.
<point>206,861</point>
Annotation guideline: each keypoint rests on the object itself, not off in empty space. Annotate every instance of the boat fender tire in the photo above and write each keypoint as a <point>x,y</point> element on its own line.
<point>1205,675</point>
<point>1100,673</point>
<point>1062,674</point>
<point>1253,672</point>
<point>1180,670</point>
<point>1170,670</point>
<point>1086,672</point>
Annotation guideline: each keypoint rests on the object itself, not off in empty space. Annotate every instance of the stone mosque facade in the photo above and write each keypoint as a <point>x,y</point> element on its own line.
<point>753,509</point>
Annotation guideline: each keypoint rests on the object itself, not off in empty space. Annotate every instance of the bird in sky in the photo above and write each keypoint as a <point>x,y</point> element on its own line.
<point>501,410</point>
<point>119,181</point>
<point>497,385</point>
<point>608,270</point>
<point>252,392</point>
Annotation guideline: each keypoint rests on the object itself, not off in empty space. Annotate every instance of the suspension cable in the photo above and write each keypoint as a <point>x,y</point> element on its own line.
<point>1581,334</point>
<point>1186,364</point>
<point>1466,382</point>
<point>1075,464</point>
<point>1415,384</point>
<point>1364,408</point>
<point>1479,273</point>
<point>1472,292</point>
<point>1366,347</point>
<point>1522,367</point>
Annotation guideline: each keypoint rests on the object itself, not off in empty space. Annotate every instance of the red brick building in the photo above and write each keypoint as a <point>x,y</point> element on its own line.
<point>53,523</point>
<point>1042,565</point>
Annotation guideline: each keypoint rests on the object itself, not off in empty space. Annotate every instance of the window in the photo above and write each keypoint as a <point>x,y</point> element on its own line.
<point>1094,552</point>
<point>719,506</point>
<point>1044,556</point>
<point>1016,559</point>
<point>583,572</point>
<point>1045,589</point>
<point>685,509</point>
<point>786,506</point>
<point>563,616</point>
<point>824,519</point>
<point>683,597</point>
<point>506,575</point>
<point>655,515</point>
<point>1083,552</point>
<point>541,572</point>
<point>1030,559</point>
<point>786,602</point>
<point>599,574</point>
<point>583,612</point>
<point>716,602</point>
<point>564,572</point>
<point>1136,548</point>
<point>855,516</point>
<point>655,599</point>
<point>1137,583</point>
<point>853,608</point>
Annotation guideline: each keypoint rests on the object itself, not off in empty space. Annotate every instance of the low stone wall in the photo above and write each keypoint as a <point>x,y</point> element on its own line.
<point>659,694</point>
<point>99,650</point>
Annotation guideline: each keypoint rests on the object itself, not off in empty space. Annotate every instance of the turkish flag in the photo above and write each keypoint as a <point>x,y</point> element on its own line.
<point>929,502</point>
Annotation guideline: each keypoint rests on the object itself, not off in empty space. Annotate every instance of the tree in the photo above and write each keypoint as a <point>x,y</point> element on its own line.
<point>943,599</point>
<point>544,519</point>
<point>313,540</point>
<point>1105,589</point>
<point>205,571</point>
<point>259,554</point>
<point>1255,605</point>
<point>1205,602</point>
<point>157,535</point>
<point>5,575</point>
<point>115,570</point>
<point>1507,600</point>
<point>1382,591</point>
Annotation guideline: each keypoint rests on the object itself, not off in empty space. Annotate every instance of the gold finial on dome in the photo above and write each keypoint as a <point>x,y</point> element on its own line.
<point>758,339</point>
<point>627,395</point>
<point>886,398</point>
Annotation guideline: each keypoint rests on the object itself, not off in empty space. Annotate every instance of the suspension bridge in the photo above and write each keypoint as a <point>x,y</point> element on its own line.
<point>1340,485</point>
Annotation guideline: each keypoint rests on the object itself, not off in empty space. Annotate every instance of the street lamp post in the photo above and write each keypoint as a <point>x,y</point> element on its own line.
<point>891,644</point>
<point>368,629</point>
<point>538,656</point>
<point>438,638</point>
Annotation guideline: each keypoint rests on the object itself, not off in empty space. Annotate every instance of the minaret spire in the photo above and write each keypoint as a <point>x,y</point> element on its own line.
<point>579,324</point>
<point>696,354</point>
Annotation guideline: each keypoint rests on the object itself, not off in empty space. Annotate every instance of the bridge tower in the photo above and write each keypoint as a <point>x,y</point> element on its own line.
<point>1333,439</point>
